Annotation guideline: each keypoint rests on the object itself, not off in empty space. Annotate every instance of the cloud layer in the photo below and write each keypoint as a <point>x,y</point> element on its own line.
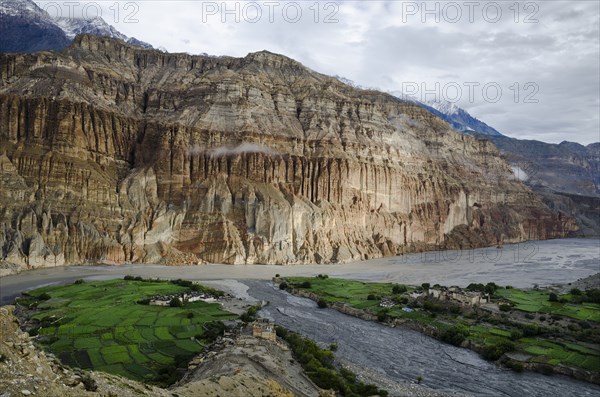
<point>221,151</point>
<point>530,70</point>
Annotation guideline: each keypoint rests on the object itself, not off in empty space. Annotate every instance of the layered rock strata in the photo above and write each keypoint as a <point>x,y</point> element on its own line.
<point>110,152</point>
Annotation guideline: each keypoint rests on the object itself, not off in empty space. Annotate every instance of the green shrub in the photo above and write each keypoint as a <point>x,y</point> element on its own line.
<point>281,332</point>
<point>575,291</point>
<point>454,335</point>
<point>44,297</point>
<point>80,281</point>
<point>305,284</point>
<point>530,330</point>
<point>516,335</point>
<point>399,289</point>
<point>432,306</point>
<point>494,352</point>
<point>552,297</point>
<point>425,286</point>
<point>212,330</point>
<point>175,302</point>
<point>382,315</point>
<point>371,297</point>
<point>322,303</point>
<point>585,325</point>
<point>250,314</point>
<point>515,366</point>
<point>333,347</point>
<point>319,366</point>
<point>593,295</point>
<point>504,308</point>
<point>283,286</point>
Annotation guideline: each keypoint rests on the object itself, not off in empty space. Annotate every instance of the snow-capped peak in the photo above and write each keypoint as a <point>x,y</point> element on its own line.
<point>21,7</point>
<point>71,27</point>
<point>445,107</point>
<point>96,26</point>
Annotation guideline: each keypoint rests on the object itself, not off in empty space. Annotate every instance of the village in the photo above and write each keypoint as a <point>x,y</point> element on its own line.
<point>186,297</point>
<point>454,295</point>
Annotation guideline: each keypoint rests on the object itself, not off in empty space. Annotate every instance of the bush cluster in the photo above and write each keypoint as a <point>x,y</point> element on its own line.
<point>319,366</point>
<point>399,289</point>
<point>454,335</point>
<point>489,288</point>
<point>250,314</point>
<point>494,352</point>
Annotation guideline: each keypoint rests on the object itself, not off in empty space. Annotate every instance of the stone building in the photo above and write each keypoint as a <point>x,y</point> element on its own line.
<point>264,329</point>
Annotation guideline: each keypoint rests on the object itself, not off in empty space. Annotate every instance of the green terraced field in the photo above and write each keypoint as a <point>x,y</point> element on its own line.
<point>553,352</point>
<point>99,325</point>
<point>537,301</point>
<point>349,291</point>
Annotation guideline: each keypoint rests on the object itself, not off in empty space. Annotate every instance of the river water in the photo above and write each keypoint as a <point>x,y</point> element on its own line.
<point>400,354</point>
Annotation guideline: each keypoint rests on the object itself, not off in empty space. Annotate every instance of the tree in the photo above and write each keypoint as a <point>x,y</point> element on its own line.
<point>399,289</point>
<point>552,297</point>
<point>175,302</point>
<point>425,286</point>
<point>575,291</point>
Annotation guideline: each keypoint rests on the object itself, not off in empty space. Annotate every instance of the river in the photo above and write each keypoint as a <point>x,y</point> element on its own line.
<point>400,354</point>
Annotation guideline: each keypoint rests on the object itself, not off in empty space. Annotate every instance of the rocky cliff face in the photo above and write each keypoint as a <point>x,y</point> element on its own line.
<point>111,152</point>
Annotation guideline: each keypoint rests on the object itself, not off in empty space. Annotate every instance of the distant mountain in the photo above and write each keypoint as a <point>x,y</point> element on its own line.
<point>97,27</point>
<point>459,118</point>
<point>25,27</point>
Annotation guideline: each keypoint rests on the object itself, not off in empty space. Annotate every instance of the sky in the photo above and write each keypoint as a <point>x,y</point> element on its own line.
<point>530,69</point>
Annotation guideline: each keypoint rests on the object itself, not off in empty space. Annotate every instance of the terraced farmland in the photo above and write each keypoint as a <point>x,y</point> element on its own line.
<point>100,326</point>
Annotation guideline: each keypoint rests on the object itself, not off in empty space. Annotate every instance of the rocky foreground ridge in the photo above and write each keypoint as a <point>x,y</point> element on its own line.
<point>246,367</point>
<point>110,152</point>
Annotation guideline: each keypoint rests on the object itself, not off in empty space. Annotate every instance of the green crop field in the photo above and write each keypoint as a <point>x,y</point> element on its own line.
<point>553,350</point>
<point>349,291</point>
<point>100,326</point>
<point>537,301</point>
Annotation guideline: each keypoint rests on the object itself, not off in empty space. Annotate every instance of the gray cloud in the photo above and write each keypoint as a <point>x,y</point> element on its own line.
<point>221,151</point>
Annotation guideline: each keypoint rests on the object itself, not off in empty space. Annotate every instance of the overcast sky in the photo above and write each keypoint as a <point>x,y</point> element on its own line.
<point>542,55</point>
